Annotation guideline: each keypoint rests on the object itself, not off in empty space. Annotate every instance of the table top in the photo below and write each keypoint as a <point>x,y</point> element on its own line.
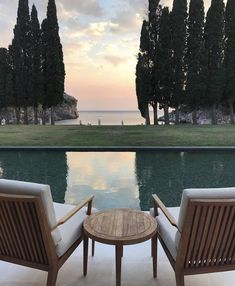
<point>124,226</point>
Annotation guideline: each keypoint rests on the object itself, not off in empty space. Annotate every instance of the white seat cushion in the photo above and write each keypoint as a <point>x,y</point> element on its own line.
<point>38,190</point>
<point>167,231</point>
<point>72,229</point>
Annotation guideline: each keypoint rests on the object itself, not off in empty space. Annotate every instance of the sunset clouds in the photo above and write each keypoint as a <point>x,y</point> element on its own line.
<point>100,40</point>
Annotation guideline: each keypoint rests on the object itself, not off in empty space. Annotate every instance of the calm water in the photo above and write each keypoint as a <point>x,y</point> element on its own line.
<point>120,179</point>
<point>109,118</point>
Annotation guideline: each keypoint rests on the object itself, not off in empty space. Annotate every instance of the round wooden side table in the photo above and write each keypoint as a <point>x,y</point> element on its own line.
<point>120,227</point>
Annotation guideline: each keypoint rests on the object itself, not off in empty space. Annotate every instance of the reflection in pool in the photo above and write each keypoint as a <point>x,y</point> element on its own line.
<point>120,179</point>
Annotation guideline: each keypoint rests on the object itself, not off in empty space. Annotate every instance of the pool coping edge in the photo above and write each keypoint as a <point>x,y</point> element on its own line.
<point>118,148</point>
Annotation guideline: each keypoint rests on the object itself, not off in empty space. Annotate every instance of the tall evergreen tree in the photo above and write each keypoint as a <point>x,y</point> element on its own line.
<point>35,57</point>
<point>155,11</point>
<point>143,74</point>
<point>6,83</point>
<point>53,64</point>
<point>3,78</point>
<point>9,86</point>
<point>179,22</point>
<point>214,41</point>
<point>196,58</point>
<point>145,70</point>
<point>230,56</point>
<point>13,80</point>
<point>163,69</point>
<point>21,61</point>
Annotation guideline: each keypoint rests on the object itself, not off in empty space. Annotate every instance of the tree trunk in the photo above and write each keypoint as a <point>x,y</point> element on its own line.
<point>147,116</point>
<point>155,114</point>
<point>44,116</point>
<point>1,117</point>
<point>194,117</point>
<point>17,111</point>
<point>166,115</point>
<point>35,115</point>
<point>52,116</point>
<point>177,116</point>
<point>213,114</point>
<point>26,120</point>
<point>6,115</point>
<point>231,112</point>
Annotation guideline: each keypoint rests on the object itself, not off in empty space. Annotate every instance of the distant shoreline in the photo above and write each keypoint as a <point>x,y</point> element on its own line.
<point>108,117</point>
<point>108,111</point>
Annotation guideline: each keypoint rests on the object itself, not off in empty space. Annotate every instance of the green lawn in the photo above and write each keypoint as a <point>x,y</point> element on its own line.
<point>66,135</point>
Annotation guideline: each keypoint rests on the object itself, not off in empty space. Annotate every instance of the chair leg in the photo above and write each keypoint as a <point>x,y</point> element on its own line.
<point>85,254</point>
<point>52,277</point>
<point>179,277</point>
<point>154,255</point>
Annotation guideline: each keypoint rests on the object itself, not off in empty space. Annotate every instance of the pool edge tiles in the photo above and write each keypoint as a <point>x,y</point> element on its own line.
<point>119,148</point>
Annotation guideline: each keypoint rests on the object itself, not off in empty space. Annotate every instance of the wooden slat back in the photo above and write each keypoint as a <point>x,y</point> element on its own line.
<point>21,231</point>
<point>208,236</point>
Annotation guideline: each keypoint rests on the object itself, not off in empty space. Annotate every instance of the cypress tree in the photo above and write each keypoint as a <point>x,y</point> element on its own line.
<point>53,64</point>
<point>13,79</point>
<point>179,21</point>
<point>6,83</point>
<point>143,74</point>
<point>155,11</point>
<point>214,42</point>
<point>164,63</point>
<point>3,78</point>
<point>230,56</point>
<point>196,59</point>
<point>21,60</point>
<point>35,55</point>
<point>9,95</point>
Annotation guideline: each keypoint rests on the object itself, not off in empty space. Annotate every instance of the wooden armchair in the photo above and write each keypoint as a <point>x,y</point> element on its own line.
<point>198,237</point>
<point>34,231</point>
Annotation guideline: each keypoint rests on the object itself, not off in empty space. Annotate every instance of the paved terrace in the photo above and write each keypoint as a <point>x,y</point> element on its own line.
<point>136,270</point>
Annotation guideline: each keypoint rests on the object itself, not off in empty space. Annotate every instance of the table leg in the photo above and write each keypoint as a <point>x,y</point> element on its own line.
<point>154,255</point>
<point>85,254</point>
<point>93,247</point>
<point>119,252</point>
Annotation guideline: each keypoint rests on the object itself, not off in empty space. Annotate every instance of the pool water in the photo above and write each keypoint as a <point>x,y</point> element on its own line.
<point>120,179</point>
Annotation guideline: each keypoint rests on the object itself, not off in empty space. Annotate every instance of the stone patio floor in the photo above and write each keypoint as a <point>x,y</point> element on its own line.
<point>136,270</point>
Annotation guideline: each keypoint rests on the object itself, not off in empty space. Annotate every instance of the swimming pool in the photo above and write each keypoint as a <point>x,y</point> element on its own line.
<point>120,179</point>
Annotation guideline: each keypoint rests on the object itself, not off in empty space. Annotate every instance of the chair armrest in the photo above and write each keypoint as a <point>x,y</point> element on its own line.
<point>75,210</point>
<point>157,203</point>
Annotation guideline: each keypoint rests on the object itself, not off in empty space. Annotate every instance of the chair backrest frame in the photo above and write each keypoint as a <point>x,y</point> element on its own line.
<point>207,242</point>
<point>25,236</point>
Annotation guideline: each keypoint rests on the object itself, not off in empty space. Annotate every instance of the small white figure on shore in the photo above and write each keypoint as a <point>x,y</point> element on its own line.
<point>40,121</point>
<point>3,121</point>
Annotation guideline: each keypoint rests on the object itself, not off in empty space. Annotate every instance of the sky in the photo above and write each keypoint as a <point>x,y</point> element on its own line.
<point>100,41</point>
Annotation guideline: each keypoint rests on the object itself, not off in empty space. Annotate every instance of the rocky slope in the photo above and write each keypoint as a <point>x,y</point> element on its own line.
<point>64,111</point>
<point>68,109</point>
<point>203,116</point>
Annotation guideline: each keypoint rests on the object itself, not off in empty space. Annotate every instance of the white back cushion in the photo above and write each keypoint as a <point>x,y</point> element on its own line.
<point>213,193</point>
<point>37,190</point>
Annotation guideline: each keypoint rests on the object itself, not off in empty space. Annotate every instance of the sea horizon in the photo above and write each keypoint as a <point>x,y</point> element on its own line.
<point>108,117</point>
